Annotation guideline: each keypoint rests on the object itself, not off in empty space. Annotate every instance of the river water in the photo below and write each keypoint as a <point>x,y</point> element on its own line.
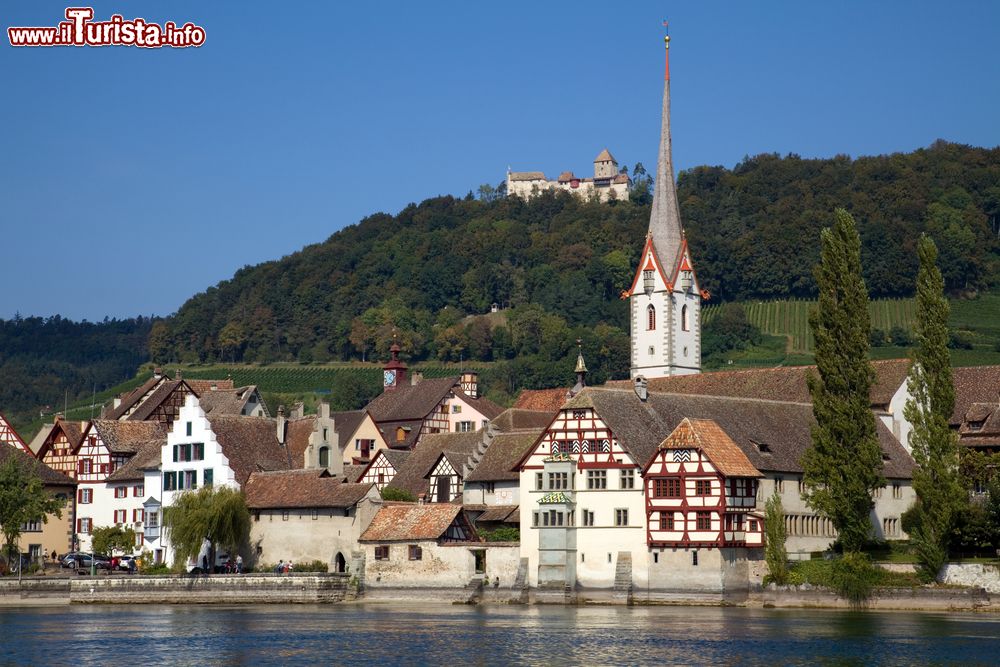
<point>407,634</point>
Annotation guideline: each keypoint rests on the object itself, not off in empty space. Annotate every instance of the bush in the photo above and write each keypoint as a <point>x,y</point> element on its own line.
<point>504,534</point>
<point>900,337</point>
<point>877,338</point>
<point>158,568</point>
<point>854,577</point>
<point>311,566</point>
<point>391,493</point>
<point>960,339</point>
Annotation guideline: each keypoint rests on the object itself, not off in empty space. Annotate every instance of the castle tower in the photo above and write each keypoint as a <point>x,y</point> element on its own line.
<point>665,299</point>
<point>605,165</point>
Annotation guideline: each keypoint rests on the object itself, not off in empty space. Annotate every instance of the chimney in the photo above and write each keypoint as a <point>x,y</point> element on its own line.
<point>157,373</point>
<point>281,424</point>
<point>470,384</point>
<point>641,388</point>
<point>178,375</point>
<point>416,378</point>
<point>323,410</point>
<point>118,401</point>
<point>298,410</point>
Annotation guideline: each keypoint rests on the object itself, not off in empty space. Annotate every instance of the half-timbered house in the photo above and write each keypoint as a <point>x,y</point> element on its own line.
<point>383,467</point>
<point>59,448</point>
<point>434,470</point>
<point>8,436</point>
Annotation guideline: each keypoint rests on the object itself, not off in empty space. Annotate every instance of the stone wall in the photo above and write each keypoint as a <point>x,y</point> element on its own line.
<point>220,589</point>
<point>979,575</point>
<point>449,565</point>
<point>900,599</point>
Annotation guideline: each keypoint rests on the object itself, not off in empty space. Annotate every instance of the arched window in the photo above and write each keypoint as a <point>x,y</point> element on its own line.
<point>685,324</point>
<point>650,317</point>
<point>324,457</point>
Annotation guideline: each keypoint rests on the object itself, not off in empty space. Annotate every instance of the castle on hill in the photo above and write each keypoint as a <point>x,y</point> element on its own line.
<point>607,182</point>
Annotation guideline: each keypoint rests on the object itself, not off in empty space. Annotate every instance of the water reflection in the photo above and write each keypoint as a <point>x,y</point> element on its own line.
<point>421,634</point>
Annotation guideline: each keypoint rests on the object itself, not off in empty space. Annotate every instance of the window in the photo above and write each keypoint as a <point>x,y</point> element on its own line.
<point>187,429</point>
<point>138,490</point>
<point>187,479</point>
<point>753,525</point>
<point>400,434</point>
<point>199,451</point>
<point>628,479</point>
<point>779,484</point>
<point>694,557</point>
<point>650,318</point>
<point>138,540</point>
<point>597,479</point>
<point>455,409</point>
<point>84,525</point>
<point>284,515</point>
<point>85,496</point>
<point>703,487</point>
<point>120,516</point>
<point>703,521</point>
<point>666,521</point>
<point>464,427</point>
<point>534,519</point>
<point>685,323</point>
<point>381,479</point>
<point>415,552</point>
<point>558,480</point>
<point>315,514</point>
<point>153,520</point>
<point>170,481</point>
<point>621,517</point>
<point>489,487</point>
<point>325,434</point>
<point>897,491</point>
<point>656,557</point>
<point>324,457</point>
<point>669,487</point>
<point>209,476</point>
<point>587,517</point>
<point>85,466</point>
<point>538,481</point>
<point>32,526</point>
<point>382,553</point>
<point>121,492</point>
<point>138,515</point>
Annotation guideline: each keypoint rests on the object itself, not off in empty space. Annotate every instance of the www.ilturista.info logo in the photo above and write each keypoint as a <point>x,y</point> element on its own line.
<point>80,30</point>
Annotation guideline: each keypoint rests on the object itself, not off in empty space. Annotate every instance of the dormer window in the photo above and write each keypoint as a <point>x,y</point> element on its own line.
<point>763,448</point>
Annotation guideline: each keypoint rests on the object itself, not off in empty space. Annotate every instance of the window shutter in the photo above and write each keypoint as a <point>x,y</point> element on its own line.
<point>209,476</point>
<point>175,453</point>
<point>79,467</point>
<point>79,496</point>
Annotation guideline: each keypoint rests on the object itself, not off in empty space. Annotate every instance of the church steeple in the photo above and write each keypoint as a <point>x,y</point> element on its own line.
<point>665,219</point>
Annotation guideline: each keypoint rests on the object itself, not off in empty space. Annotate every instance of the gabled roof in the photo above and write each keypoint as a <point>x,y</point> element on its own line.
<point>411,475</point>
<point>784,427</point>
<point>132,398</point>
<point>126,437</point>
<point>505,513</point>
<point>72,430</point>
<point>228,401</point>
<point>502,454</point>
<point>204,386</point>
<point>345,424</point>
<point>974,384</point>
<point>8,435</point>
<point>159,396</point>
<point>301,488</point>
<point>411,521</point>
<point>541,400</point>
<point>250,443</point>
<point>147,458</point>
<point>409,402</point>
<point>353,473</point>
<point>517,419</point>
<point>48,475</point>
<point>705,434</point>
<point>605,156</point>
<point>786,383</point>
<point>527,176</point>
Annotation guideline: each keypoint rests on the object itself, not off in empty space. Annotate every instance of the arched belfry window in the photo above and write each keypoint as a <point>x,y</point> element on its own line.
<point>650,317</point>
<point>685,324</point>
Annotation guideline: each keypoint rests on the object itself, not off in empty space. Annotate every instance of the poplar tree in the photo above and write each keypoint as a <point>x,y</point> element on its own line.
<point>929,408</point>
<point>843,465</point>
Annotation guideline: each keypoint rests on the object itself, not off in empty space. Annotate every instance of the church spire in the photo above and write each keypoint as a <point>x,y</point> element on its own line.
<point>665,219</point>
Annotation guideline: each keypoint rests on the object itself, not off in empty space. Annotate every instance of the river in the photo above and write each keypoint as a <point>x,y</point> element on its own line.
<point>407,634</point>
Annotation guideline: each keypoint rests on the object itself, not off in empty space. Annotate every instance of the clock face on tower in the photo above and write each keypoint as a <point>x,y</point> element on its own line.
<point>389,378</point>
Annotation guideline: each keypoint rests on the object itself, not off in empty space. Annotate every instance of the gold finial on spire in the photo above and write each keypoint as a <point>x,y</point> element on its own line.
<point>666,46</point>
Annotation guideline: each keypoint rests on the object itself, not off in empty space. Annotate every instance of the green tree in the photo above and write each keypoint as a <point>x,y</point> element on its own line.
<point>932,400</point>
<point>159,342</point>
<point>774,548</point>
<point>842,467</point>
<point>232,338</point>
<point>23,498</point>
<point>392,493</point>
<point>215,513</point>
<point>109,539</point>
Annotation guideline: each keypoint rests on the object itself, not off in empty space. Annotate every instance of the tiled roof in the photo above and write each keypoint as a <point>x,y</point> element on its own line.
<point>411,431</point>
<point>705,434</point>
<point>411,401</point>
<point>499,513</point>
<point>786,383</point>
<point>527,176</point>
<point>226,401</point>
<point>517,419</point>
<point>541,400</point>
<point>297,437</point>
<point>502,454</point>
<point>974,384</point>
<point>147,458</point>
<point>604,156</point>
<point>553,498</point>
<point>784,427</point>
<point>411,475</point>
<point>250,443</point>
<point>485,406</point>
<point>129,400</point>
<point>127,437</point>
<point>397,457</point>
<point>204,386</point>
<point>47,474</point>
<point>411,521</point>
<point>620,178</point>
<point>301,488</point>
<point>73,431</point>
<point>352,473</point>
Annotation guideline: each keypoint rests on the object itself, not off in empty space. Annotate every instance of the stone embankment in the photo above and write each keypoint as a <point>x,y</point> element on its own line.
<point>898,599</point>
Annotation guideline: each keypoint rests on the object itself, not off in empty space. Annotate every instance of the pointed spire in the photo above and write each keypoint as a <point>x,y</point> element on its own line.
<point>581,371</point>
<point>665,219</point>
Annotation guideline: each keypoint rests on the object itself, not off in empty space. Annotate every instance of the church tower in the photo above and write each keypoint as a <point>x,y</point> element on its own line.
<point>665,298</point>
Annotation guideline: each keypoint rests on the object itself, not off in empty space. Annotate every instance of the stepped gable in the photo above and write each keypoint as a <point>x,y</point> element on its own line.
<point>250,443</point>
<point>706,435</point>
<point>301,429</point>
<point>44,472</point>
<point>503,453</point>
<point>128,437</point>
<point>783,428</point>
<point>517,419</point>
<point>784,383</point>
<point>288,489</point>
<point>412,475</point>
<point>410,521</point>
<point>147,458</point>
<point>225,401</point>
<point>974,384</point>
<point>542,400</point>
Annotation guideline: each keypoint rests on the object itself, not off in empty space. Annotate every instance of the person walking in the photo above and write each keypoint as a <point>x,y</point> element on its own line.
<point>280,569</point>
<point>239,564</point>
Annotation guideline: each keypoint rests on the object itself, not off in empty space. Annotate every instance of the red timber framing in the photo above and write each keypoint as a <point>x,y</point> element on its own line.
<point>59,451</point>
<point>437,421</point>
<point>93,460</point>
<point>690,503</point>
<point>582,434</point>
<point>380,472</point>
<point>9,436</point>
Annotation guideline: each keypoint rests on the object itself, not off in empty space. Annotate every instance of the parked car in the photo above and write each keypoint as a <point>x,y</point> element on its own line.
<point>123,562</point>
<point>82,561</point>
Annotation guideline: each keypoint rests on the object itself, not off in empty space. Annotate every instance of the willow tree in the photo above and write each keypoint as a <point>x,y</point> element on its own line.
<point>216,514</point>
<point>842,467</point>
<point>929,408</point>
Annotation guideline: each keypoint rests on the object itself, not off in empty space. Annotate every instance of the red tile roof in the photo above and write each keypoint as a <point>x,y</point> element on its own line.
<point>974,384</point>
<point>411,521</point>
<point>541,400</point>
<point>705,434</point>
<point>250,443</point>
<point>301,488</point>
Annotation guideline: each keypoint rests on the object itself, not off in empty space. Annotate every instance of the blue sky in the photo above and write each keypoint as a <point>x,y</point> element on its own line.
<point>132,179</point>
